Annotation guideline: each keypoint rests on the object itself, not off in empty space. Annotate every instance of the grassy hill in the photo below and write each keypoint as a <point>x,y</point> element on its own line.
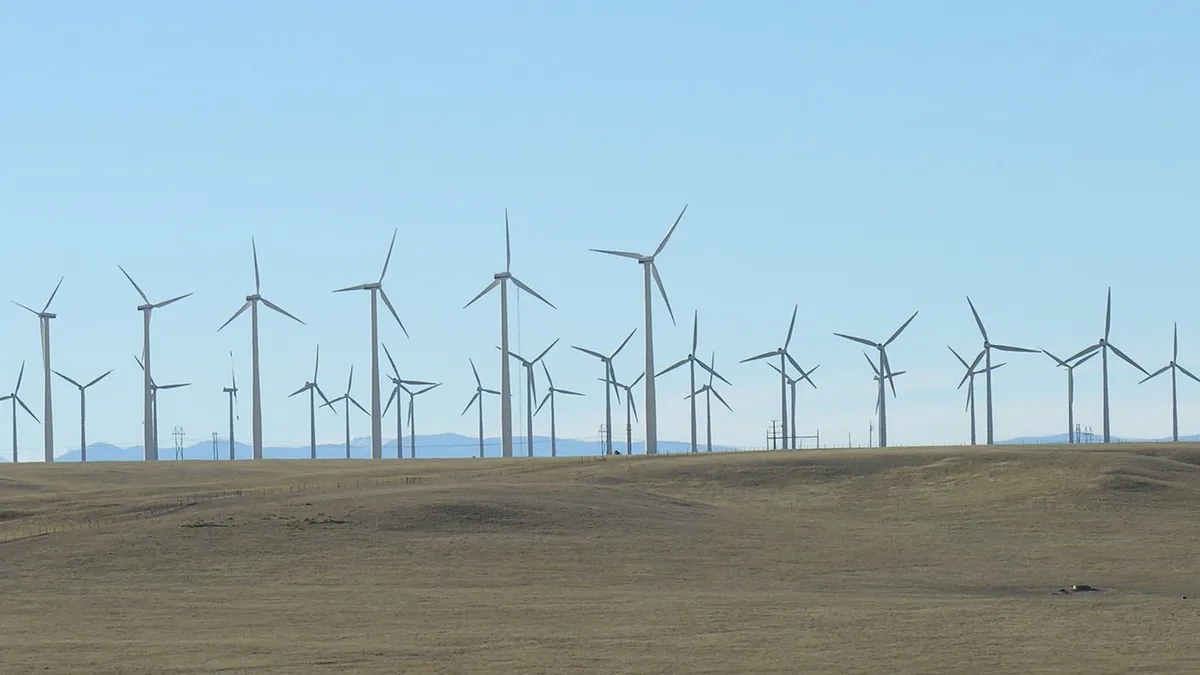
<point>901,560</point>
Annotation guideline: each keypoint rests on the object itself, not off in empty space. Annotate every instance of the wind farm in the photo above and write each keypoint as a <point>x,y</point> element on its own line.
<point>596,484</point>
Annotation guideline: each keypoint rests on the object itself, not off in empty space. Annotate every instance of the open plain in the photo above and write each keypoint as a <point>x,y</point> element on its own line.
<point>940,560</point>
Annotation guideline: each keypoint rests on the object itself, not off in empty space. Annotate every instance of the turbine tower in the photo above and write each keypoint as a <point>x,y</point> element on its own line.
<point>398,384</point>
<point>969,380</point>
<point>551,393</point>
<point>1103,346</point>
<point>16,400</point>
<point>609,374</point>
<point>501,279</point>
<point>692,361</point>
<point>986,354</point>
<point>255,384</point>
<point>1173,366</point>
<point>886,369</point>
<point>44,318</point>
<point>348,399</point>
<point>709,392</point>
<point>650,269</point>
<point>891,378</point>
<point>630,408</point>
<point>792,382</point>
<point>1070,389</point>
<point>478,397</point>
<point>377,292</point>
<point>412,419</point>
<point>83,410</point>
<point>530,392</point>
<point>784,358</point>
<point>231,390</point>
<point>154,400</point>
<point>313,390</point>
<point>149,440</point>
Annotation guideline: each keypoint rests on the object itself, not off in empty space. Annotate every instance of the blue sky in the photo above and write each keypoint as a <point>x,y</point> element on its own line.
<point>864,160</point>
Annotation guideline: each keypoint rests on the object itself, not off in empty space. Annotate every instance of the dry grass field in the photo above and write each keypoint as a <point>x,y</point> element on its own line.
<point>895,561</point>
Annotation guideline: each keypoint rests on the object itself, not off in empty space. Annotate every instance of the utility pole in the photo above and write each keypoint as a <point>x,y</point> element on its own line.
<point>178,433</point>
<point>773,435</point>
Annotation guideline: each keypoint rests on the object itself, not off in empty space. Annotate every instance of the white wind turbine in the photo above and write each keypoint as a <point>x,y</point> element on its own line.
<point>969,380</point>
<point>692,361</point>
<point>154,388</point>
<point>348,399</point>
<point>1103,346</point>
<point>709,391</point>
<point>478,399</point>
<point>44,318</point>
<point>551,393</point>
<point>149,440</point>
<point>231,391</point>
<point>412,419</point>
<point>16,400</point>
<point>630,409</point>
<point>986,354</point>
<point>886,369</point>
<point>83,410</point>
<point>313,390</point>
<point>501,279</point>
<point>1070,389</point>
<point>1173,366</point>
<point>398,384</point>
<point>792,382</point>
<point>255,384</point>
<point>377,291</point>
<point>784,358</point>
<point>650,269</point>
<point>609,389</point>
<point>530,393</point>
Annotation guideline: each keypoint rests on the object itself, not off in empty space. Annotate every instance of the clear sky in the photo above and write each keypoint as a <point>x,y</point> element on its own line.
<point>862,160</point>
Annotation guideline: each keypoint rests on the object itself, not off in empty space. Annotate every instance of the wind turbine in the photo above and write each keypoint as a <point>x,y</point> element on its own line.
<point>399,383</point>
<point>348,399</point>
<point>608,391</point>
<point>255,384</point>
<point>149,440</point>
<point>44,318</point>
<point>154,399</point>
<point>969,379</point>
<point>692,361</point>
<point>630,407</point>
<point>1070,389</point>
<point>530,393</point>
<point>891,378</point>
<point>377,291</point>
<point>551,392</point>
<point>792,382</point>
<point>886,369</point>
<point>313,390</point>
<point>650,269</point>
<point>16,400</point>
<point>986,354</point>
<point>501,279</point>
<point>83,410</point>
<point>232,392</point>
<point>1173,366</point>
<point>412,424</point>
<point>709,391</point>
<point>478,397</point>
<point>1104,345</point>
<point>784,358</point>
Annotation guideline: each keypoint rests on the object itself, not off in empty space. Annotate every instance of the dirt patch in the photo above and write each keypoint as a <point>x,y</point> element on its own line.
<point>10,514</point>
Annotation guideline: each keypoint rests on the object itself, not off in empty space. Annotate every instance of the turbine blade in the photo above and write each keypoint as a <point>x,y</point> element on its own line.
<point>391,398</point>
<point>257,279</point>
<point>99,378</point>
<point>359,287</point>
<point>530,291</point>
<point>978,358</point>
<point>547,372</point>
<point>791,327</point>
<point>1128,360</point>
<point>173,386</point>
<point>588,351</point>
<point>1187,372</point>
<point>319,393</point>
<point>808,375</point>
<point>428,389</point>
<point>410,411</point>
<point>507,244</point>
<point>469,404</point>
<point>663,244</point>
<point>388,259</point>
<point>663,291</point>
<point>1085,359</point>
<point>568,392</point>
<point>1156,373</point>
<point>383,294</point>
<point>858,339</point>
<point>635,382</point>
<point>47,307</point>
<point>1056,359</point>
<point>1175,349</point>
<point>24,307</point>
<point>623,254</point>
<point>350,381</point>
<point>761,356</point>
<point>1009,348</point>
<point>887,368</point>
<point>1108,315</point>
<point>627,339</point>
<point>546,351</point>
<point>490,391</point>
<point>1083,352</point>
<point>164,303</point>
<point>960,359</point>
<point>279,309</point>
<point>544,399</point>
<point>901,329</point>
<point>135,286</point>
<point>67,378</point>
<point>612,381</point>
<point>719,398</point>
<point>791,361</point>
<point>695,331</point>
<point>22,404</point>
<point>712,373</point>
<point>970,396</point>
<point>301,390</point>
<point>495,283</point>
<point>673,367</point>
<point>873,368</point>
<point>357,405</point>
<point>978,321</point>
<point>478,383</point>
<point>632,405</point>
<point>317,362</point>
<point>235,315</point>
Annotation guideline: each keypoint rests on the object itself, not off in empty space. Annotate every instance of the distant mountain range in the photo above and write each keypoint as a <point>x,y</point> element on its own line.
<point>436,446</point>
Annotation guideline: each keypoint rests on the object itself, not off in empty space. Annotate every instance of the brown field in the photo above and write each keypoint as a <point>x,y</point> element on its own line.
<point>895,561</point>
